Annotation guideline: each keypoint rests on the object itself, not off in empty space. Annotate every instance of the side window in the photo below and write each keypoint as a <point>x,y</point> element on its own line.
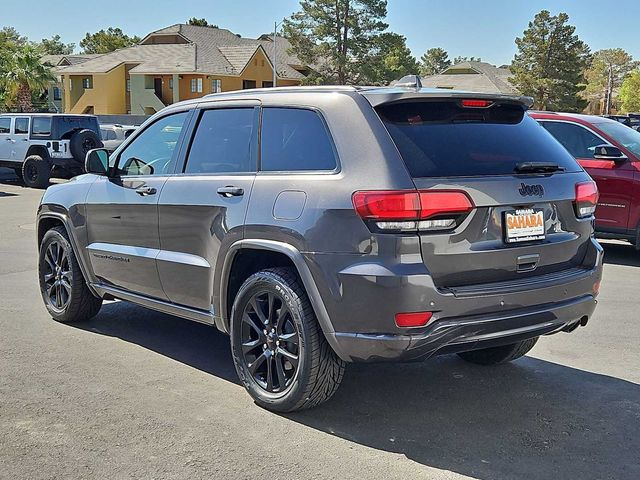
<point>153,152</point>
<point>579,141</point>
<point>108,134</point>
<point>222,142</point>
<point>5,125</point>
<point>21,126</point>
<point>295,139</point>
<point>41,126</point>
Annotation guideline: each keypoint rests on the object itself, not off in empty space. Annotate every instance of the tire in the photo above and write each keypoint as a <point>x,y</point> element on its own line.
<point>497,355</point>
<point>81,142</point>
<point>319,370</point>
<point>36,172</point>
<point>77,303</point>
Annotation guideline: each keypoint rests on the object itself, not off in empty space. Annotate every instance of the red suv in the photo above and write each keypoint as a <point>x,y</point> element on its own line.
<point>610,152</point>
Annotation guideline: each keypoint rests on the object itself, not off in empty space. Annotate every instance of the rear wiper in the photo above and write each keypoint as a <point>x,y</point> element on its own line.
<point>538,167</point>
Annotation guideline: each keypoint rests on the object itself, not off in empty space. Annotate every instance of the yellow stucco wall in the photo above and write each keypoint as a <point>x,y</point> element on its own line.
<point>258,69</point>
<point>108,95</point>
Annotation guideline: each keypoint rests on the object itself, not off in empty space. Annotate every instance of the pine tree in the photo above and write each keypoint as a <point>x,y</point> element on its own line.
<point>337,37</point>
<point>434,61</point>
<point>550,63</point>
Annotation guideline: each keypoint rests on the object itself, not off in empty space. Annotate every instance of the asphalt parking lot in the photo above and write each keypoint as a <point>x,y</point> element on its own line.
<point>139,394</point>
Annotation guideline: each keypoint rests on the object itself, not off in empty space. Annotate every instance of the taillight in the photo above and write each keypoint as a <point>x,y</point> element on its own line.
<point>410,210</point>
<point>586,199</point>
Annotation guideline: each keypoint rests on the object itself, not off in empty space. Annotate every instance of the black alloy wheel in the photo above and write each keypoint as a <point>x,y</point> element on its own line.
<point>270,342</point>
<point>58,276</point>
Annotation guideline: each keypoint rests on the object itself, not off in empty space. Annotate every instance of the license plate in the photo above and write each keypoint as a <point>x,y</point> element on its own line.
<point>524,225</point>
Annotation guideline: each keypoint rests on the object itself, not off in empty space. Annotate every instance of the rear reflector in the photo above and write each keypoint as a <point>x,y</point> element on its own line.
<point>469,103</point>
<point>417,319</point>
<point>586,199</point>
<point>405,210</point>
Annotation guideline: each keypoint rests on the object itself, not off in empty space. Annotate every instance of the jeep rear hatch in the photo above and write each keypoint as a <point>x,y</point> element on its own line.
<point>523,215</point>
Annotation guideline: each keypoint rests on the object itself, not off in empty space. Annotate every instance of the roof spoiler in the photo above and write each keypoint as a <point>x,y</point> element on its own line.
<point>399,93</point>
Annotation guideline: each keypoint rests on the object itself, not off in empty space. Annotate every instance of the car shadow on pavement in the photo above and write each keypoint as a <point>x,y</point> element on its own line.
<point>528,419</point>
<point>620,254</point>
<point>194,344</point>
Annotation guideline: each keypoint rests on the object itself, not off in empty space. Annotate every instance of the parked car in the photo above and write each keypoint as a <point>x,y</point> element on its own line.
<point>610,153</point>
<point>324,225</point>
<point>39,146</point>
<point>631,120</point>
<point>114,135</point>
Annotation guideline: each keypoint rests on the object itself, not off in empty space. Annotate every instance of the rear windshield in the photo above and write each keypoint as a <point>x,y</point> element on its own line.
<point>443,139</point>
<point>64,126</point>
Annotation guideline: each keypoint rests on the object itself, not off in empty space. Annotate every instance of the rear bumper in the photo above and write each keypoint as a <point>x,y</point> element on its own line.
<point>468,333</point>
<point>363,298</point>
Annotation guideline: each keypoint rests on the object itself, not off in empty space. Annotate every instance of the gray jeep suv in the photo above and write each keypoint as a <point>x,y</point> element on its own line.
<point>325,225</point>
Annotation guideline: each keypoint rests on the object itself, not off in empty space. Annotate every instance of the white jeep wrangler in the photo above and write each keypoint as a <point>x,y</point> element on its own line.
<point>39,146</point>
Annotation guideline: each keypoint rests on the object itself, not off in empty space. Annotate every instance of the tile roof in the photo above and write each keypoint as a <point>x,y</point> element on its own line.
<point>207,50</point>
<point>150,59</point>
<point>238,56</point>
<point>486,79</point>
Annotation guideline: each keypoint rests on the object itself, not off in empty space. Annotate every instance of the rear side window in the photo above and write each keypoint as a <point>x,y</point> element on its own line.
<point>222,142</point>
<point>108,134</point>
<point>295,139</point>
<point>5,125</point>
<point>21,126</point>
<point>41,126</point>
<point>579,141</point>
<point>443,139</point>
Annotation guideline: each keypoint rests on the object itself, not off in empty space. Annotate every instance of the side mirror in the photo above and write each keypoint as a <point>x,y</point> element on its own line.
<point>609,152</point>
<point>97,161</point>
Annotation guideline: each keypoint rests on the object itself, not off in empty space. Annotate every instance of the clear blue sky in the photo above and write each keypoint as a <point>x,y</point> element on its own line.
<point>480,28</point>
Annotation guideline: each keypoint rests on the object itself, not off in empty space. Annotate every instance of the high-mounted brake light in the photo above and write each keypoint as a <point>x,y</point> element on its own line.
<point>472,103</point>
<point>586,198</point>
<point>410,210</point>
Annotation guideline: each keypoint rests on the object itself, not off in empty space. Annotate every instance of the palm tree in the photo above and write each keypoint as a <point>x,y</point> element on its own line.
<point>24,75</point>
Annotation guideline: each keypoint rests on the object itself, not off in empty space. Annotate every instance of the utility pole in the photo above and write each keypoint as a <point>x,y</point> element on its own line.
<point>274,60</point>
<point>607,106</point>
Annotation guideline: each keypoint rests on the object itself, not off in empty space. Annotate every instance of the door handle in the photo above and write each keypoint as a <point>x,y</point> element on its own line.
<point>143,191</point>
<point>230,191</point>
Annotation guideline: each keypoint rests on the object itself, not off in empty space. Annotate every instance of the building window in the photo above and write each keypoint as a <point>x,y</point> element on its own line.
<point>171,83</point>
<point>57,94</point>
<point>86,82</point>
<point>128,84</point>
<point>196,85</point>
<point>216,86</point>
